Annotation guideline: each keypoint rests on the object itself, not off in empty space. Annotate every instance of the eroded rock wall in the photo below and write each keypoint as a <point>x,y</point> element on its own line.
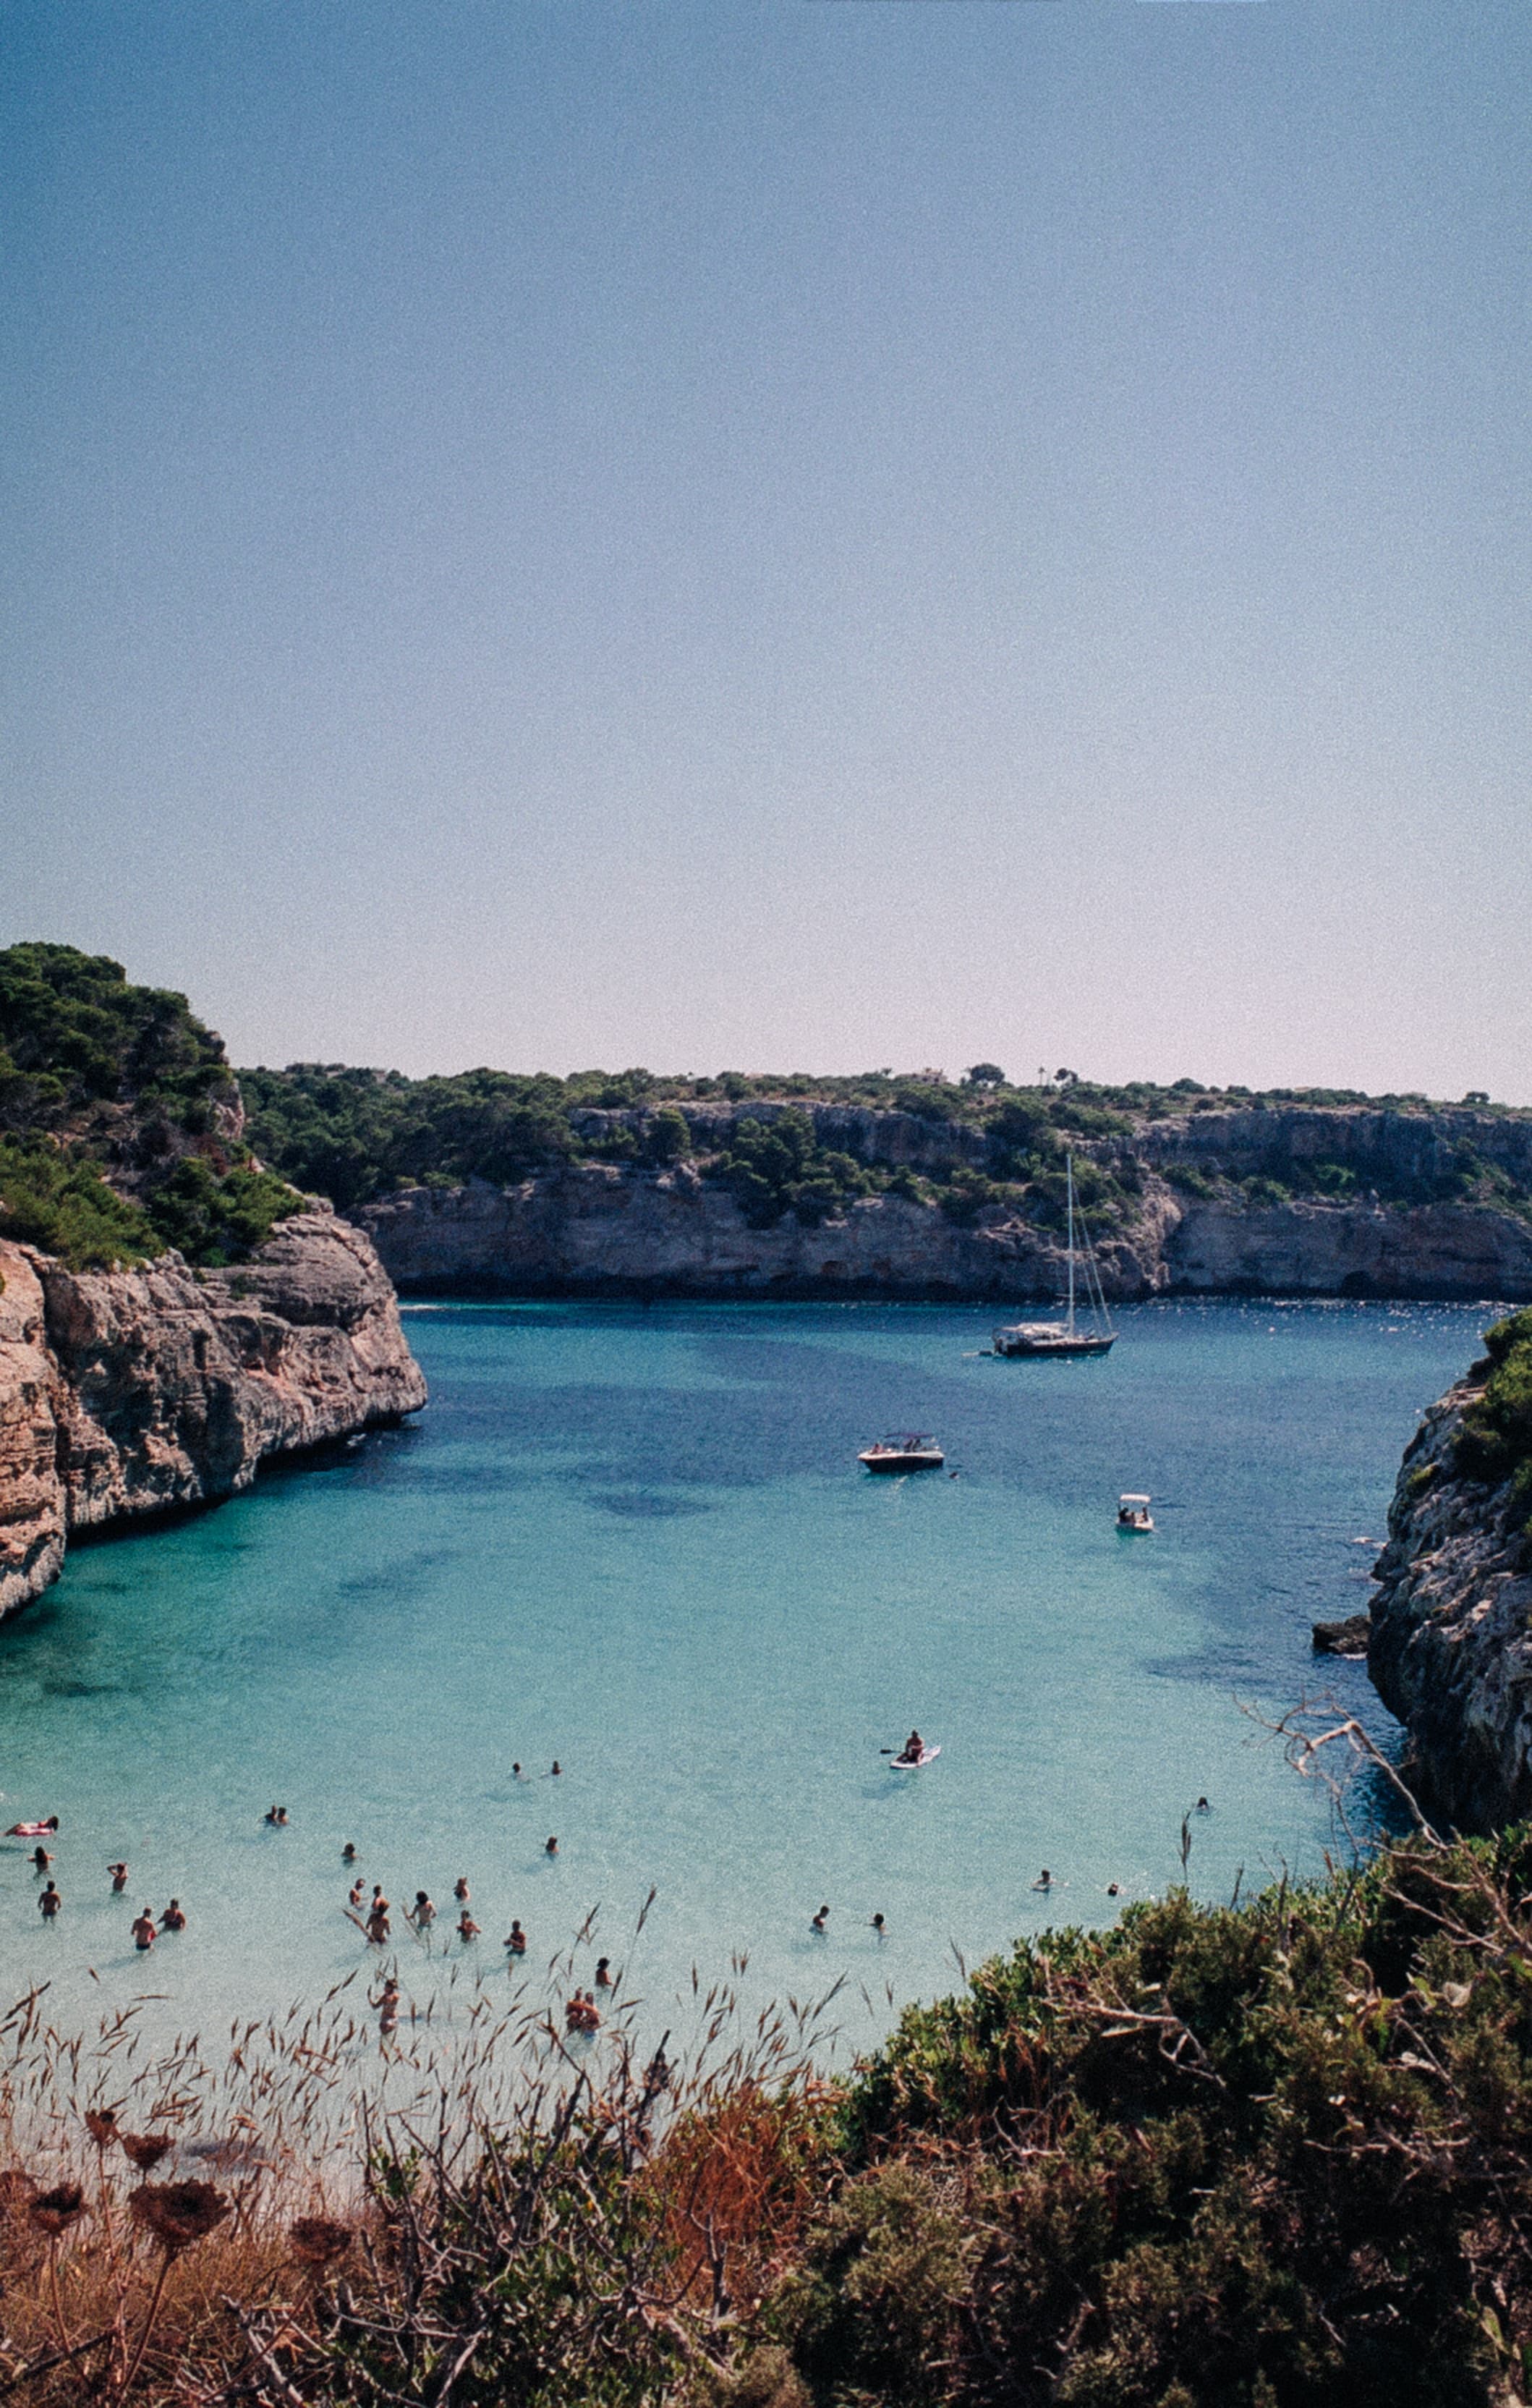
<point>131,1392</point>
<point>603,1228</point>
<point>1451,1647</point>
<point>1363,1249</point>
<point>33,1515</point>
<point>600,1229</point>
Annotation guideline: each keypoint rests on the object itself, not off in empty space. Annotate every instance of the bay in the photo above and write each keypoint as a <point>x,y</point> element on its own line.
<point>636,1540</point>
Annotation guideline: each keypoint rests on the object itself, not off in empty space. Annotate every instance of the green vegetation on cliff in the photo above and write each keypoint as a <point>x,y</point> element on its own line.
<point>354,1135</point>
<point>1495,1442</point>
<point>120,1120</point>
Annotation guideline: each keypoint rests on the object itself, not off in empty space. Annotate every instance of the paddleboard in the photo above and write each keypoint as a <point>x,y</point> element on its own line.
<point>913,1763</point>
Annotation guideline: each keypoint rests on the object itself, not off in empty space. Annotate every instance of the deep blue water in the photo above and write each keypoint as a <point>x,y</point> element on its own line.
<point>638,1539</point>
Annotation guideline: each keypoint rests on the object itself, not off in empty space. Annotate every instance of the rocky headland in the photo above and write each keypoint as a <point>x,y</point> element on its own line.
<point>172,1314</point>
<point>1219,1202</point>
<point>1450,1650</point>
<point>128,1393</point>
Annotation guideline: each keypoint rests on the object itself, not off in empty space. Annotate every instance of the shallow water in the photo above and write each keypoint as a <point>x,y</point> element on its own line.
<point>638,1539</point>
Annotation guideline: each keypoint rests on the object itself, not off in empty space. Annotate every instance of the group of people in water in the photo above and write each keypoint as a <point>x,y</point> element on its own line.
<point>51,1898</point>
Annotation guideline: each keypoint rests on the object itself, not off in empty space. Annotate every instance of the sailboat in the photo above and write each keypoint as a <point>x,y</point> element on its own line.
<point>1067,1337</point>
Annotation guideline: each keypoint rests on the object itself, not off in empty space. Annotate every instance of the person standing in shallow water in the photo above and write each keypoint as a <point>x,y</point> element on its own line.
<point>143,1930</point>
<point>50,1902</point>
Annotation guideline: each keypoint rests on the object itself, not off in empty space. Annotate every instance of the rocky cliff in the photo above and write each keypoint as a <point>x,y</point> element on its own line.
<point>608,1228</point>
<point>124,1394</point>
<point>1451,1647</point>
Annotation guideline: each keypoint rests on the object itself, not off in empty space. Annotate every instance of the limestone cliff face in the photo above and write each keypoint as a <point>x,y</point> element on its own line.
<point>1451,1650</point>
<point>126,1394</point>
<point>1366,1249</point>
<point>601,1228</point>
<point>31,1495</point>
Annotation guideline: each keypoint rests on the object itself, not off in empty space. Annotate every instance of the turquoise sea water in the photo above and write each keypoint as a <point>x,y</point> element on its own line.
<point>638,1539</point>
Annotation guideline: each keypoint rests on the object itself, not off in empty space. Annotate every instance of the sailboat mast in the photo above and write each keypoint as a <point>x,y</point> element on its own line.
<point>1069,1175</point>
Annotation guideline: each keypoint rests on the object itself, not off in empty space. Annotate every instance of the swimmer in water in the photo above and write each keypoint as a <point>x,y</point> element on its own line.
<point>557,1769</point>
<point>387,2004</point>
<point>551,1849</point>
<point>41,1860</point>
<point>1203,1806</point>
<point>817,1922</point>
<point>273,1815</point>
<point>878,1925</point>
<point>348,1853</point>
<point>378,1923</point>
<point>466,1928</point>
<point>173,1918</point>
<point>515,1772</point>
<point>143,1930</point>
<point>355,1899</point>
<point>460,1889</point>
<point>1113,1889</point>
<point>422,1913</point>
<point>1044,1880</point>
<point>516,1940</point>
<point>603,1972</point>
<point>120,1877</point>
<point>50,1902</point>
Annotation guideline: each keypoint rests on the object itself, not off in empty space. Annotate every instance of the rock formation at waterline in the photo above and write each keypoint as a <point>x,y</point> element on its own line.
<point>126,1394</point>
<point>1450,1645</point>
<point>597,1227</point>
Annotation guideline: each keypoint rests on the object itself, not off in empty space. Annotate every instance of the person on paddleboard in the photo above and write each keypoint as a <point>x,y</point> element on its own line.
<point>914,1747</point>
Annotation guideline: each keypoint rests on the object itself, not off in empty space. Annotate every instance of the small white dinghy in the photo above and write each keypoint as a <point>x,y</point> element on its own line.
<point>913,1763</point>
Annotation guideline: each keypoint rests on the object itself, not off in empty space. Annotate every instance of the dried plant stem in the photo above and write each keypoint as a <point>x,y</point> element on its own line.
<point>166,2260</point>
<point>65,2341</point>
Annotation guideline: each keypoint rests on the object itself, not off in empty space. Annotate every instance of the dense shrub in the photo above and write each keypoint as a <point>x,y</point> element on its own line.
<point>74,1033</point>
<point>775,1167</point>
<point>1495,1443</point>
<point>215,1218</point>
<point>1272,2157</point>
<point>120,1111</point>
<point>64,1205</point>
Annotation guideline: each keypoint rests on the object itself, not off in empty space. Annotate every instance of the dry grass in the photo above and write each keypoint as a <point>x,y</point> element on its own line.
<point>348,2175</point>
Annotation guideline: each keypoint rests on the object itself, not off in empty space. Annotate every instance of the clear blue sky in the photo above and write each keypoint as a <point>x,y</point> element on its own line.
<point>778,532</point>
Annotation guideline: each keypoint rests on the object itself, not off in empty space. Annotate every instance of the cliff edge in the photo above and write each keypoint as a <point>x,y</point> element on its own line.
<point>595,1228</point>
<point>1450,1645</point>
<point>124,1394</point>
